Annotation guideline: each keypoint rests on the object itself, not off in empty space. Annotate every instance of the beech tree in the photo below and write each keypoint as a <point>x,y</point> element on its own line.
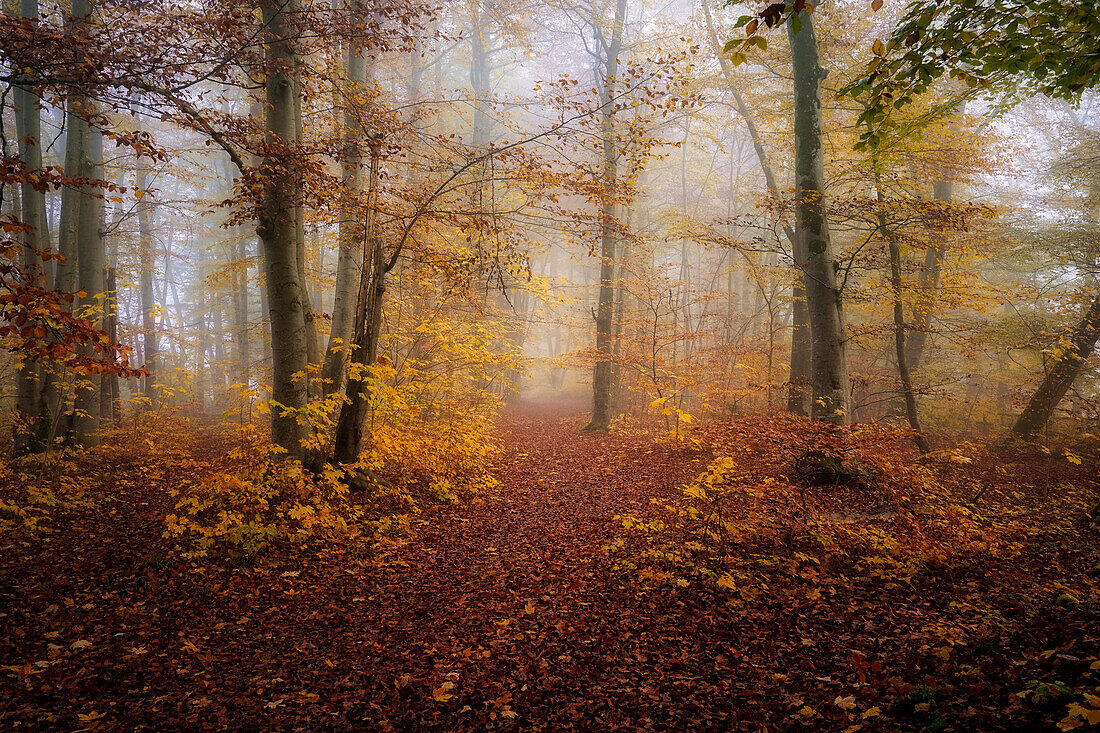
<point>831,399</point>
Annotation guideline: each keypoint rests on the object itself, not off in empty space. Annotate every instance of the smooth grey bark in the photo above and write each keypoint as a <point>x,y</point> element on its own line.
<point>73,200</point>
<point>32,424</point>
<point>110,399</point>
<point>605,305</point>
<point>240,313</point>
<point>202,364</point>
<point>798,395</point>
<point>277,229</point>
<point>313,344</point>
<point>91,260</point>
<point>349,262</point>
<point>147,263</point>
<point>480,67</point>
<point>829,372</point>
<point>1069,363</point>
<point>352,420</point>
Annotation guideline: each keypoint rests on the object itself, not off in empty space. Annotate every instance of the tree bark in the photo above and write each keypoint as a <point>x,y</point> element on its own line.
<point>349,262</point>
<point>277,229</point>
<point>605,307</point>
<point>147,260</point>
<point>110,398</point>
<point>244,352</point>
<point>829,377</point>
<point>73,200</point>
<point>798,395</point>
<point>368,327</point>
<point>927,285</point>
<point>1069,363</point>
<point>90,280</point>
<point>32,423</point>
<point>313,344</point>
<point>894,252</point>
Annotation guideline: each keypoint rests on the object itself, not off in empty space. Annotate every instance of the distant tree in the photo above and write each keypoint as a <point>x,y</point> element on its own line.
<point>1009,47</point>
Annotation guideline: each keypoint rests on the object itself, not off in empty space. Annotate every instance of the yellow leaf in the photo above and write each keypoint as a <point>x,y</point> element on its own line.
<point>877,48</point>
<point>442,693</point>
<point>872,712</point>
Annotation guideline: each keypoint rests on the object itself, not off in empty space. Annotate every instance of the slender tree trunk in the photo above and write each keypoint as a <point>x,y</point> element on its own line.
<point>147,260</point>
<point>480,39</point>
<point>1068,364</point>
<point>899,317</point>
<point>277,229</point>
<point>368,326</point>
<point>313,344</point>
<point>798,395</point>
<point>943,190</point>
<point>72,204</point>
<point>605,306</point>
<point>202,367</point>
<point>349,262</point>
<point>110,405</point>
<point>831,389</point>
<point>928,284</point>
<point>32,424</point>
<point>244,353</point>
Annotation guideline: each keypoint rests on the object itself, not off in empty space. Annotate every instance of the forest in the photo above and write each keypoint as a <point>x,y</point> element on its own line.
<point>594,365</point>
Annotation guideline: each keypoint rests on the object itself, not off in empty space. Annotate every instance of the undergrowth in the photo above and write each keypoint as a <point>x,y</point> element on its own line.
<point>758,528</point>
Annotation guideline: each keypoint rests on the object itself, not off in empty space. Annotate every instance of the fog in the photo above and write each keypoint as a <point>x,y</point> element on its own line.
<point>530,156</point>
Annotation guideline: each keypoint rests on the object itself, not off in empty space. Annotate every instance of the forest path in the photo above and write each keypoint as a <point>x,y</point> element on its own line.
<point>508,603</point>
<point>500,611</point>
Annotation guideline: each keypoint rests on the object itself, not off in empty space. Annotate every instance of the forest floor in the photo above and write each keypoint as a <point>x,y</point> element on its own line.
<point>567,598</point>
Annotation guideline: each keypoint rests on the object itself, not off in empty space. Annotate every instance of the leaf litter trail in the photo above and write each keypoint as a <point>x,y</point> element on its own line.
<point>506,612</point>
<point>502,612</point>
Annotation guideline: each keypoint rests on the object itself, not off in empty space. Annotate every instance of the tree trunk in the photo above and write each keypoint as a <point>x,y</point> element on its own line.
<point>90,269</point>
<point>1068,364</point>
<point>277,229</point>
<point>32,423</point>
<point>899,317</point>
<point>349,262</point>
<point>798,396</point>
<point>147,259</point>
<point>929,282</point>
<point>72,203</point>
<point>313,344</point>
<point>605,307</point>
<point>244,353</point>
<point>927,285</point>
<point>829,378</point>
<point>368,326</point>
<point>799,393</point>
<point>110,399</point>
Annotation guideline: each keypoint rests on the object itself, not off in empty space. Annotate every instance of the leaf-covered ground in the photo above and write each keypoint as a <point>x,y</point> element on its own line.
<point>574,596</point>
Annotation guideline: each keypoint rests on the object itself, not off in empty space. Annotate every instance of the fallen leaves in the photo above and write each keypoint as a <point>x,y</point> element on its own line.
<point>443,692</point>
<point>508,613</point>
